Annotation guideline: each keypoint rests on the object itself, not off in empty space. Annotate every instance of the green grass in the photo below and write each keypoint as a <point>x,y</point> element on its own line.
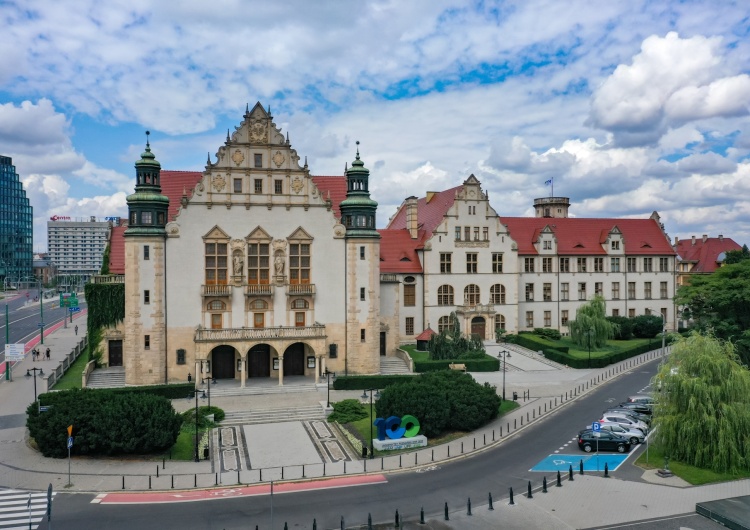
<point>416,356</point>
<point>691,474</point>
<point>72,378</point>
<point>184,447</point>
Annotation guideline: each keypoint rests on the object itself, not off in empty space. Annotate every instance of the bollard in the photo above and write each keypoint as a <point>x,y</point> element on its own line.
<point>449,450</point>
<point>446,512</point>
<point>369,522</point>
<point>421,516</point>
<point>415,459</point>
<point>580,467</point>
<point>462,448</point>
<point>238,476</point>
<point>157,470</point>
<point>282,470</point>
<point>545,407</point>
<point>216,480</point>
<point>475,442</point>
<point>315,525</point>
<point>555,401</point>
<point>527,418</point>
<point>544,485</point>
<point>123,482</point>
<point>172,481</point>
<point>522,420</point>
<point>559,481</point>
<point>163,462</point>
<point>606,470</point>
<point>149,482</point>
<point>468,506</point>
<point>533,414</point>
<point>324,469</point>
<point>195,484</point>
<point>540,410</point>
<point>303,469</point>
<point>397,520</point>
<point>381,463</point>
<point>566,396</point>
<point>399,461</point>
<point>484,437</point>
<point>342,522</point>
<point>570,473</point>
<point>286,526</point>
<point>433,455</point>
<point>511,503</point>
<point>514,424</point>
<point>528,492</point>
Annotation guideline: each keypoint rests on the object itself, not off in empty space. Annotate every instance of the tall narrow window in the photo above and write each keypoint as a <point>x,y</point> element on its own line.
<point>361,293</point>
<point>632,265</point>
<point>277,187</point>
<point>529,292</point>
<point>599,288</point>
<point>445,295</point>
<point>443,323</point>
<point>216,263</point>
<point>546,264</point>
<point>258,185</point>
<point>648,264</point>
<point>410,298</point>
<point>471,262</point>
<point>616,291</point>
<point>663,264</point>
<point>361,252</point>
<point>663,290</point>
<point>497,262</point>
<point>547,292</point>
<point>631,290</point>
<point>237,185</point>
<point>258,263</point>
<point>547,319</point>
<point>409,325</point>
<point>564,264</point>
<point>299,263</point>
<point>147,342</point>
<point>471,294</point>
<point>499,322</point>
<point>497,294</point>
<point>614,264</point>
<point>146,218</point>
<point>467,233</point>
<point>146,253</point>
<point>146,296</point>
<point>259,320</point>
<point>362,335</point>
<point>528,264</point>
<point>581,264</point>
<point>299,319</point>
<point>476,233</point>
<point>598,264</point>
<point>564,291</point>
<point>458,233</point>
<point>529,319</point>
<point>445,262</point>
<point>564,317</point>
<point>647,290</point>
<point>582,291</point>
<point>258,159</point>
<point>485,233</point>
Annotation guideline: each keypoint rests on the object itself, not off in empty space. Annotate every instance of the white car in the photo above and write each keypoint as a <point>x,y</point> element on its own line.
<point>634,435</point>
<point>623,420</point>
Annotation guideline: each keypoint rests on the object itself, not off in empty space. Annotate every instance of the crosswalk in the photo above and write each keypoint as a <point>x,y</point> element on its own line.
<point>15,508</point>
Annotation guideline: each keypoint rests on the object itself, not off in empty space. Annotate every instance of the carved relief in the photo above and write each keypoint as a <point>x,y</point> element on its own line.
<point>297,185</point>
<point>238,157</point>
<point>278,159</point>
<point>339,231</point>
<point>237,244</point>
<point>173,229</point>
<point>279,259</point>
<point>257,130</point>
<point>238,263</point>
<point>219,182</point>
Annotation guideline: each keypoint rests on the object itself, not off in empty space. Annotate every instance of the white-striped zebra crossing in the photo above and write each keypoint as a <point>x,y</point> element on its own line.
<point>15,506</point>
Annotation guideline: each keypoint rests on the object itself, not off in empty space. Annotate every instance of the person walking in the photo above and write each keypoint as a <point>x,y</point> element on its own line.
<point>47,353</point>
<point>76,330</point>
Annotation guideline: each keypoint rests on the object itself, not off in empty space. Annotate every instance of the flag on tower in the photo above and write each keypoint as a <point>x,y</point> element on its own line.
<point>548,182</point>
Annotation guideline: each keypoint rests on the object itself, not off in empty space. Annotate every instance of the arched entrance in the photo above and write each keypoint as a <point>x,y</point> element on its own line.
<point>259,361</point>
<point>477,327</point>
<point>294,359</point>
<point>222,362</point>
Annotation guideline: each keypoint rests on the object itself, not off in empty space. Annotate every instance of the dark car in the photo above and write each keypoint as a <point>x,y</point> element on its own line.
<point>631,413</point>
<point>607,441</point>
<point>640,408</point>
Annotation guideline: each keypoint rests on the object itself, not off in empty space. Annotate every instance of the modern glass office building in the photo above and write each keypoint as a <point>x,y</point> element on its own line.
<point>16,228</point>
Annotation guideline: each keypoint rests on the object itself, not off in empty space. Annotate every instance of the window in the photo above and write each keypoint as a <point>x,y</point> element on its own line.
<point>664,314</point>
<point>564,317</point>
<point>582,291</point>
<point>443,324</point>
<point>528,264</point>
<point>631,290</point>
<point>547,245</point>
<point>133,219</point>
<point>485,233</point>
<point>467,233</point>
<point>216,305</point>
<point>146,296</point>
<point>615,312</point>
<point>631,313</point>
<point>445,295</point>
<point>565,291</point>
<point>476,233</point>
<point>546,264</point>
<point>410,295</point>
<point>146,218</point>
<point>614,264</point>
<point>598,288</point>
<point>277,187</point>
<point>216,263</point>
<point>409,325</point>
<point>146,252</point>
<point>564,264</point>
<point>258,263</point>
<point>300,303</point>
<point>547,292</point>
<point>471,294</point>
<point>299,319</point>
<point>258,160</point>
<point>299,263</point>
<point>663,264</point>
<point>497,294</point>
<point>499,322</point>
<point>471,262</point>
<point>160,217</point>
<point>361,335</point>
<point>647,290</point>
<point>581,264</point>
<point>259,320</point>
<point>632,265</point>
<point>616,291</point>
<point>458,233</point>
<point>663,289</point>
<point>361,293</point>
<point>147,342</point>
<point>615,245</point>
<point>181,356</point>
<point>258,185</point>
<point>361,252</point>
<point>237,185</point>
<point>445,262</point>
<point>497,262</point>
<point>598,264</point>
<point>529,319</point>
<point>547,319</point>
<point>648,264</point>
<point>529,292</point>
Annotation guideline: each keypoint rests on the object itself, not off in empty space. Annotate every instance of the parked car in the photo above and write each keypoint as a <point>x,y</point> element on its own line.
<point>622,419</point>
<point>631,414</point>
<point>606,441</point>
<point>634,436</point>
<point>643,399</point>
<point>640,408</point>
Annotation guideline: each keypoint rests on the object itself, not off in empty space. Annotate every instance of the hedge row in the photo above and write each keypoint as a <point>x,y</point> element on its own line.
<point>362,382</point>
<point>486,364</point>
<point>176,391</point>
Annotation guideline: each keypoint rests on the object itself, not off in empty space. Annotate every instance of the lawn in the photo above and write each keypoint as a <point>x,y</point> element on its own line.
<point>184,447</point>
<point>693,475</point>
<point>577,352</point>
<point>416,355</point>
<point>72,378</point>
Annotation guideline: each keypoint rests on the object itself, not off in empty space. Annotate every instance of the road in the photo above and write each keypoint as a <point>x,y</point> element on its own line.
<point>493,471</point>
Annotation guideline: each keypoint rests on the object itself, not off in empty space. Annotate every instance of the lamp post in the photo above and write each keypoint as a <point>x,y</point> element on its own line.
<point>504,354</point>
<point>41,314</point>
<point>364,396</point>
<point>328,375</point>
<point>663,332</point>
<point>41,374</point>
<point>209,384</point>
<point>197,459</point>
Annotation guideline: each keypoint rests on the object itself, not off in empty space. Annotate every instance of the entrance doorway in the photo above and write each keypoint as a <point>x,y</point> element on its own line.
<point>259,361</point>
<point>477,327</point>
<point>115,353</point>
<point>294,359</point>
<point>382,343</point>
<point>222,365</point>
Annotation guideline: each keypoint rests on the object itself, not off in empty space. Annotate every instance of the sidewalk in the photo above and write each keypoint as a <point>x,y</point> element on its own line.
<point>586,502</point>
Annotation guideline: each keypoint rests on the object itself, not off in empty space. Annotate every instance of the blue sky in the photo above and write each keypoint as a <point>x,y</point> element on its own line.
<point>631,106</point>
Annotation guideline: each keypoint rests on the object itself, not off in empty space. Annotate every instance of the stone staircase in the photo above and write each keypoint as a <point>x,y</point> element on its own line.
<point>231,389</point>
<point>393,366</point>
<point>515,348</point>
<point>112,377</point>
<point>251,417</point>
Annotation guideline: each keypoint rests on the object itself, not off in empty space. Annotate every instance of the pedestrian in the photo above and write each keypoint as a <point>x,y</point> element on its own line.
<point>47,352</point>
<point>190,377</point>
<point>33,354</point>
<point>76,330</point>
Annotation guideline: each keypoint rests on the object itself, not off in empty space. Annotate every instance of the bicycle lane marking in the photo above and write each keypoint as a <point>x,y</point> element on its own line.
<point>228,493</point>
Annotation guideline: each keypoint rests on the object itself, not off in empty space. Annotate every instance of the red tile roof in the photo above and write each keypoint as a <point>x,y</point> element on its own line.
<point>426,334</point>
<point>176,183</point>
<point>705,254</point>
<point>117,250</point>
<point>578,236</point>
<point>430,212</point>
<point>335,187</point>
<point>398,252</point>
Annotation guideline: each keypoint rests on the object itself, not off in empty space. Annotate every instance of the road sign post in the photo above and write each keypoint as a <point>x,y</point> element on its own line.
<point>70,444</point>
<point>597,428</point>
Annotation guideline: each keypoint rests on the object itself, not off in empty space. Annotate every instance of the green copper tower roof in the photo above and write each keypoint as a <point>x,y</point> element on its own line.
<point>358,210</point>
<point>147,207</point>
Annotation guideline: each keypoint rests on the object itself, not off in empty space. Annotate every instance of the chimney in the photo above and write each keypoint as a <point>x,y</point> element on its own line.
<point>693,240</point>
<point>676,240</point>
<point>411,216</point>
<point>705,236</point>
<point>721,237</point>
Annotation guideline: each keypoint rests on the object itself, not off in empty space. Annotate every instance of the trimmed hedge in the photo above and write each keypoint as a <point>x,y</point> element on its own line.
<point>176,391</point>
<point>362,382</point>
<point>485,364</point>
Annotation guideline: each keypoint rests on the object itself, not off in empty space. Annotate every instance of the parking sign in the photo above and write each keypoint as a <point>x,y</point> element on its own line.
<point>596,427</point>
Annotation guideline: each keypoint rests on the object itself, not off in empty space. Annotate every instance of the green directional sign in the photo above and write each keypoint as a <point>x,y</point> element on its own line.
<point>68,300</point>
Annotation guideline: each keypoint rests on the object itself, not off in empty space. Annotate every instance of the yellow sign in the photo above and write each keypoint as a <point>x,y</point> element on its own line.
<point>70,430</point>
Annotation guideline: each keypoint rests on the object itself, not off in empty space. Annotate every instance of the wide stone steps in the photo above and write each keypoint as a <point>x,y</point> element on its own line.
<point>220,390</point>
<point>515,348</point>
<point>107,378</point>
<point>393,366</point>
<point>251,417</point>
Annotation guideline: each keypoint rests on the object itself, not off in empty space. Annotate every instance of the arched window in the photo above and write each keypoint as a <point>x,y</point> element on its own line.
<point>445,295</point>
<point>497,294</point>
<point>471,294</point>
<point>216,305</point>
<point>443,324</point>
<point>499,321</point>
<point>300,303</point>
<point>258,304</point>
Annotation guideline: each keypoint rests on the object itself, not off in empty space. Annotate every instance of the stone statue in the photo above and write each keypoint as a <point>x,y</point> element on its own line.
<point>238,263</point>
<point>279,264</point>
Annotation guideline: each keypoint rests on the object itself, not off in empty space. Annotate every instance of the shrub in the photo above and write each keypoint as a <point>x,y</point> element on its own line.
<point>625,331</point>
<point>548,333</point>
<point>362,382</point>
<point>347,411</point>
<point>647,326</point>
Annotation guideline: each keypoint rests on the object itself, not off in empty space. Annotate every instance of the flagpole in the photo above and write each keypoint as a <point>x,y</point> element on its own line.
<point>552,187</point>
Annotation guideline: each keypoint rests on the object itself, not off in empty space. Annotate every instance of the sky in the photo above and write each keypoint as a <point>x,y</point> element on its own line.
<point>629,107</point>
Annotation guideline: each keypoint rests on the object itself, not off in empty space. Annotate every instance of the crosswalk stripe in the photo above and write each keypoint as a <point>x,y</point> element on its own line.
<point>14,509</point>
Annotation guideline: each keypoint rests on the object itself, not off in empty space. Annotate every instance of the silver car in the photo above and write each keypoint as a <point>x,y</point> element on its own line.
<point>634,435</point>
<point>625,421</point>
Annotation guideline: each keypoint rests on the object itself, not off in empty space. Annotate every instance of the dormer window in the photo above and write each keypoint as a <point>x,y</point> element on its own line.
<point>616,244</point>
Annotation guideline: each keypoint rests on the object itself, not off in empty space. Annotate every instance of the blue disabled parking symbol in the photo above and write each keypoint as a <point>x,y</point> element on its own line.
<point>591,462</point>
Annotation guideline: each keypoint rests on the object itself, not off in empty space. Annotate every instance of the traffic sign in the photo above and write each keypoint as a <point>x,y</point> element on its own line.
<point>14,352</point>
<point>596,426</point>
<point>41,325</point>
<point>74,309</point>
<point>70,442</point>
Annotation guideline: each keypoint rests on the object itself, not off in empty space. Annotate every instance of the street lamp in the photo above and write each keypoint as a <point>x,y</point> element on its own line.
<point>197,459</point>
<point>663,331</point>
<point>328,375</point>
<point>41,374</point>
<point>41,314</point>
<point>377,396</point>
<point>505,354</point>
<point>203,381</point>
<point>589,333</point>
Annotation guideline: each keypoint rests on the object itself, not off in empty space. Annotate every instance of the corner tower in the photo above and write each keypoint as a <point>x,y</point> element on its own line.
<point>144,348</point>
<point>362,272</point>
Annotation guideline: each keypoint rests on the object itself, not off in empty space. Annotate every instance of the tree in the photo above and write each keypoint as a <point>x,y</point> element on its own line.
<point>720,302</point>
<point>735,256</point>
<point>591,327</point>
<point>647,326</point>
<point>702,411</point>
<point>452,344</point>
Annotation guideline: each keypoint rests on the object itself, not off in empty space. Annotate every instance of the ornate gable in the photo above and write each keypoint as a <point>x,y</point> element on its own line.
<point>258,234</point>
<point>216,233</point>
<point>300,235</point>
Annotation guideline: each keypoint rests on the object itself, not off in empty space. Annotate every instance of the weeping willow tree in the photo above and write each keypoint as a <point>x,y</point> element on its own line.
<point>591,324</point>
<point>703,410</point>
<point>452,344</point>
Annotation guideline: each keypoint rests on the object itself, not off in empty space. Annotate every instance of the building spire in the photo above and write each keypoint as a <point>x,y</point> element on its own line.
<point>148,145</point>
